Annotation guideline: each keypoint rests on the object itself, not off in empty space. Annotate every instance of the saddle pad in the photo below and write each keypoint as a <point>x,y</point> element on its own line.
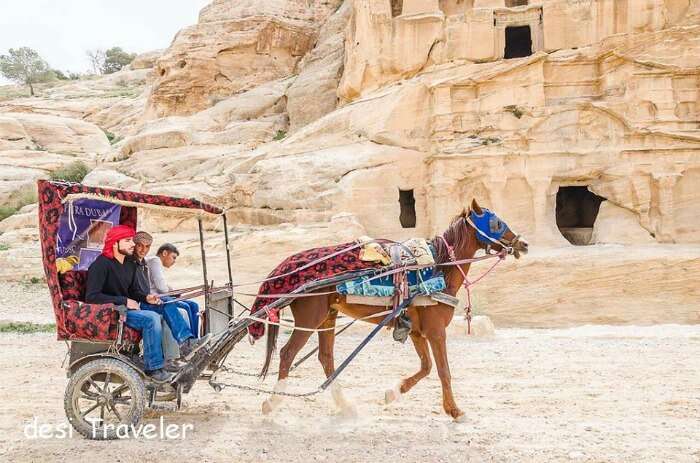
<point>418,301</point>
<point>420,282</point>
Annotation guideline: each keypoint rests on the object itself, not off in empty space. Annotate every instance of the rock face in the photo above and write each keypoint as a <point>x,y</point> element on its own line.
<point>234,47</point>
<point>578,122</point>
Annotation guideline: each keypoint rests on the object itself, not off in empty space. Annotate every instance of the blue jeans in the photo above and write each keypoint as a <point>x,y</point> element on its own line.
<point>148,323</point>
<point>173,317</point>
<point>192,309</point>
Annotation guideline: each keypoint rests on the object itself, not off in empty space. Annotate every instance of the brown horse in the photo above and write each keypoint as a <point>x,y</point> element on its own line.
<point>428,324</point>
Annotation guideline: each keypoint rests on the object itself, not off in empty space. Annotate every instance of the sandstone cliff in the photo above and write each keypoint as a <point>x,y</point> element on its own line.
<point>578,122</point>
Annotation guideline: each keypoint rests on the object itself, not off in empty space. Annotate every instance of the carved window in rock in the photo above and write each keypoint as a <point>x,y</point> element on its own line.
<point>396,7</point>
<point>518,42</point>
<point>512,3</point>
<point>577,209</point>
<point>408,209</point>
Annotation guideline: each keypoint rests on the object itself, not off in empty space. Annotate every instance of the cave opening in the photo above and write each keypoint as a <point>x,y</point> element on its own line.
<point>512,3</point>
<point>408,209</point>
<point>518,42</point>
<point>396,8</point>
<point>576,211</point>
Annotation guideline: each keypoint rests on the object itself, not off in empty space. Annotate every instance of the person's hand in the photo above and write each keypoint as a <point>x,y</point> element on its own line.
<point>153,299</point>
<point>132,304</point>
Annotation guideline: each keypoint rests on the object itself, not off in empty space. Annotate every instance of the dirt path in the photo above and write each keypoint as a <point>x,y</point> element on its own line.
<point>584,394</point>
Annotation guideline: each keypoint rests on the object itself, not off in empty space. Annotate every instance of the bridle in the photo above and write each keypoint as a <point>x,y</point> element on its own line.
<point>507,249</point>
<point>507,245</point>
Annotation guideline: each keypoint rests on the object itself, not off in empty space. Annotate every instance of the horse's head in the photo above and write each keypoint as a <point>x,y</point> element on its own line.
<point>494,233</point>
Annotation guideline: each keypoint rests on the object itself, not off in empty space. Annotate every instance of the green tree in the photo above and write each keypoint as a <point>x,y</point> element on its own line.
<point>116,59</point>
<point>25,66</point>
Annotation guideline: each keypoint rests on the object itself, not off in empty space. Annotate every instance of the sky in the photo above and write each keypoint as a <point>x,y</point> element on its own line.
<point>62,31</point>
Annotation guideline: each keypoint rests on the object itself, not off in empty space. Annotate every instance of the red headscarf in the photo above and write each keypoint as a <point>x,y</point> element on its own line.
<point>115,234</point>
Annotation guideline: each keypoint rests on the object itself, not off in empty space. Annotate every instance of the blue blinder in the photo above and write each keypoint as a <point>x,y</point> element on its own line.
<point>489,224</point>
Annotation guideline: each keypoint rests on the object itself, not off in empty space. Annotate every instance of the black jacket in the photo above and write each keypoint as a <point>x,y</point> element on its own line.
<point>109,282</point>
<point>143,282</point>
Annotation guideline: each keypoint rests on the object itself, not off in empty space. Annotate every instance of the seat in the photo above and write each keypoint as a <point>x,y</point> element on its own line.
<point>88,322</point>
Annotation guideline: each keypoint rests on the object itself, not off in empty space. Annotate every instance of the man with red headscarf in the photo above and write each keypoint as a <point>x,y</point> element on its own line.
<point>112,279</point>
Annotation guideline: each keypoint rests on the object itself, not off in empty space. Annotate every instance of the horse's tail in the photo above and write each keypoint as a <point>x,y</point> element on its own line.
<point>272,332</point>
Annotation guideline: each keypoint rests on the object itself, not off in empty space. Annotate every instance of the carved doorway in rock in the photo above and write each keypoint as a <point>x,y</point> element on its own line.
<point>518,42</point>
<point>408,209</point>
<point>577,209</point>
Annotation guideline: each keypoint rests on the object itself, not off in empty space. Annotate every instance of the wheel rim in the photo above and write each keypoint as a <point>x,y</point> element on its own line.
<point>103,398</point>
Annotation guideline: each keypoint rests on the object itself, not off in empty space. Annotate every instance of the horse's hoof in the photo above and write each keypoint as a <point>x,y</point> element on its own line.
<point>392,395</point>
<point>461,418</point>
<point>266,407</point>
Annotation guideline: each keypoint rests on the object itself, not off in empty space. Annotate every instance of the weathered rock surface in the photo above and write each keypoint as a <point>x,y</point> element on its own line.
<point>234,47</point>
<point>309,120</point>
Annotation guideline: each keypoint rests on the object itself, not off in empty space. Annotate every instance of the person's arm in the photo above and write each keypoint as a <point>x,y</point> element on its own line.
<point>96,277</point>
<point>136,291</point>
<point>158,276</point>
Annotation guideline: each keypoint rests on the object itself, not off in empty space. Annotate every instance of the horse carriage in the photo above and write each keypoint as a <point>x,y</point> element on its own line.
<point>107,384</point>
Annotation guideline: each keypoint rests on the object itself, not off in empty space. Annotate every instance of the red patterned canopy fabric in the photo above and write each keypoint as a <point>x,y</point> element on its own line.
<point>51,197</point>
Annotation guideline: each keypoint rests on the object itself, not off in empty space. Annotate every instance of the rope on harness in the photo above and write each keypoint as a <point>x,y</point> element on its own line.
<point>314,330</point>
<point>468,284</point>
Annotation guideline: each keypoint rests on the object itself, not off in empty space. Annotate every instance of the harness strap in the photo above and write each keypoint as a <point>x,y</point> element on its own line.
<point>465,281</point>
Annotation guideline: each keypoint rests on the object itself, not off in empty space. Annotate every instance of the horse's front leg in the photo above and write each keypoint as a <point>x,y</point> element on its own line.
<point>438,344</point>
<point>287,354</point>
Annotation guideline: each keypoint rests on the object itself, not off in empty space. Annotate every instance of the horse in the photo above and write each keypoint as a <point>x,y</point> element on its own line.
<point>471,230</point>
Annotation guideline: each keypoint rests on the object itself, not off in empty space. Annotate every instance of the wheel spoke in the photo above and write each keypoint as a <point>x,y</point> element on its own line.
<point>119,390</point>
<point>82,415</point>
<point>94,384</point>
<point>108,376</point>
<point>122,400</point>
<point>102,413</point>
<point>86,391</point>
<point>89,397</point>
<point>114,410</point>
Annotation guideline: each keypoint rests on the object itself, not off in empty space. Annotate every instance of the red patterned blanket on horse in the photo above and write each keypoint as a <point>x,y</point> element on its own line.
<point>336,265</point>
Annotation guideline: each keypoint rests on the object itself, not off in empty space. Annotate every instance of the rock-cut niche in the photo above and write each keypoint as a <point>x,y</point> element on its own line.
<point>518,42</point>
<point>408,209</point>
<point>396,7</point>
<point>577,210</point>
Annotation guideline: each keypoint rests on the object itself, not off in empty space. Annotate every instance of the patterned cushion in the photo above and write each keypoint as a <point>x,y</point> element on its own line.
<point>94,322</point>
<point>73,285</point>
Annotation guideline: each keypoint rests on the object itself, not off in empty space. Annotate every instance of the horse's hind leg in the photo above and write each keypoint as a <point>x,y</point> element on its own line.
<point>326,341</point>
<point>421,346</point>
<point>308,313</point>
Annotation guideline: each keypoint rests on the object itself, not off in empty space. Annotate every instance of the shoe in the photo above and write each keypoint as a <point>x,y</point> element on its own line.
<point>160,375</point>
<point>173,365</point>
<point>402,328</point>
<point>192,345</point>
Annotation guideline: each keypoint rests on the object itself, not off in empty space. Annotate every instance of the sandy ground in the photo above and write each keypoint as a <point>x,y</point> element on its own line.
<point>582,394</point>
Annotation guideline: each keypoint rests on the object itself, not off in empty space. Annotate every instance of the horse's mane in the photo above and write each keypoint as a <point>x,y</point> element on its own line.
<point>457,235</point>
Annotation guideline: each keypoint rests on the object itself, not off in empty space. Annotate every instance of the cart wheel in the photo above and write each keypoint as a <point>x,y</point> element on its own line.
<point>102,395</point>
